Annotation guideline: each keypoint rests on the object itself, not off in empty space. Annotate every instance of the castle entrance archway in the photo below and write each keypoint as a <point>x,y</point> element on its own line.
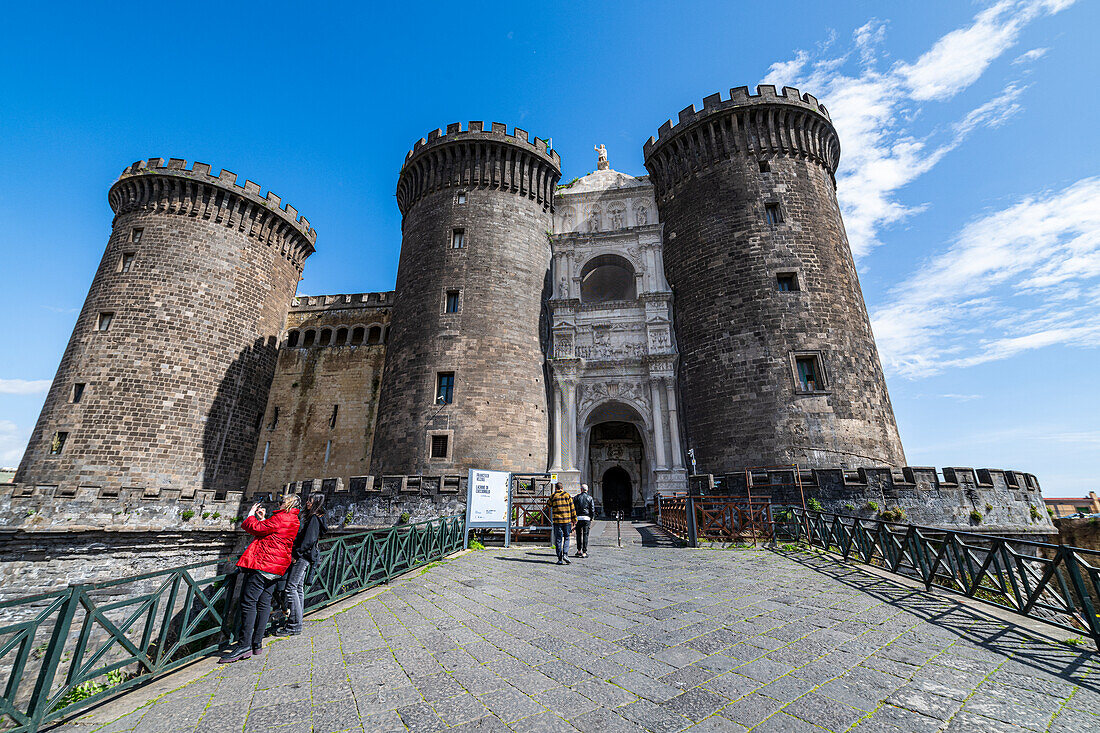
<point>615,441</point>
<point>617,491</point>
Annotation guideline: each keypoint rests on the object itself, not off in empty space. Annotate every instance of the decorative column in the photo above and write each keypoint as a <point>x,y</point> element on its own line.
<point>556,403</point>
<point>571,426</point>
<point>658,425</point>
<point>673,424</point>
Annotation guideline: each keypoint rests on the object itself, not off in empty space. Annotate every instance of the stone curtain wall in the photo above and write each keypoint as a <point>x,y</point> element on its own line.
<point>1006,502</point>
<point>298,430</point>
<point>177,384</point>
<point>494,344</point>
<point>737,332</point>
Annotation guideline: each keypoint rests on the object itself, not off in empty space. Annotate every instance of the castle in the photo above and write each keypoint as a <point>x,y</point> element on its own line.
<point>615,330</point>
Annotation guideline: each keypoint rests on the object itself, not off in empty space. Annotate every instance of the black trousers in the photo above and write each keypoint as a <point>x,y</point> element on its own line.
<point>255,608</point>
<point>582,535</point>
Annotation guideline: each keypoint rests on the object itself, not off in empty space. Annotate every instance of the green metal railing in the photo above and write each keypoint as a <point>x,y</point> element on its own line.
<point>1055,584</point>
<point>66,650</point>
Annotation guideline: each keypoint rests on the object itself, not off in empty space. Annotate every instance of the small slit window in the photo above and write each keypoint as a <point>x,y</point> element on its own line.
<point>78,393</point>
<point>274,418</point>
<point>787,281</point>
<point>335,412</point>
<point>103,323</point>
<point>444,388</point>
<point>458,239</point>
<point>811,378</point>
<point>765,167</point>
<point>772,214</point>
<point>460,198</point>
<point>135,234</point>
<point>357,335</point>
<point>126,262</point>
<point>440,443</point>
<point>58,443</point>
<point>451,305</point>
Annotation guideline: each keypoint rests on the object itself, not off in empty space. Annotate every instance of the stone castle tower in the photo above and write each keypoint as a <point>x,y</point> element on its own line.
<point>464,383</point>
<point>165,377</point>
<point>778,364</point>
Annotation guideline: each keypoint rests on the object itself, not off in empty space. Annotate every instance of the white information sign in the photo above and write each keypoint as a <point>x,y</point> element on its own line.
<point>487,500</point>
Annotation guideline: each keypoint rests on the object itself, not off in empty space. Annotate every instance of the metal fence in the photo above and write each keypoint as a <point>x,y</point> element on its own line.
<point>68,649</point>
<point>1054,584</point>
<point>721,519</point>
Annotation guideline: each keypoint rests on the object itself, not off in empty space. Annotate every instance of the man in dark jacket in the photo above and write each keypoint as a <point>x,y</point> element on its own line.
<point>586,511</point>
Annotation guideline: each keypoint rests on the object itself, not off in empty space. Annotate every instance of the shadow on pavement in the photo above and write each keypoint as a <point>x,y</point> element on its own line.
<point>1080,666</point>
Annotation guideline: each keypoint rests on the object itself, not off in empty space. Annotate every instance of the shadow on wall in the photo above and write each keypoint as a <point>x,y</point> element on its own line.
<point>233,421</point>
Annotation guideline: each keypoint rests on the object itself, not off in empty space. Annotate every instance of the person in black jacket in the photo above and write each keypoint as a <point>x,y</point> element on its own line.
<point>306,554</point>
<point>586,511</point>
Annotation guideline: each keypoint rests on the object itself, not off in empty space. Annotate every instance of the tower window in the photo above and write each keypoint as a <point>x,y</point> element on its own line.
<point>357,335</point>
<point>328,450</point>
<point>765,166</point>
<point>452,302</point>
<point>267,451</point>
<point>787,281</point>
<point>440,444</point>
<point>445,388</point>
<point>292,339</point>
<point>58,443</point>
<point>326,337</point>
<point>103,323</point>
<point>309,338</point>
<point>135,234</point>
<point>374,335</point>
<point>811,377</point>
<point>274,418</point>
<point>78,393</point>
<point>341,336</point>
<point>335,412</point>
<point>126,262</point>
<point>773,214</point>
<point>460,198</point>
<point>458,238</point>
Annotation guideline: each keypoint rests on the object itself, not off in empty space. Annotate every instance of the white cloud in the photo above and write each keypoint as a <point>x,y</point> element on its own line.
<point>1014,280</point>
<point>24,386</point>
<point>886,141</point>
<point>13,441</point>
<point>1028,56</point>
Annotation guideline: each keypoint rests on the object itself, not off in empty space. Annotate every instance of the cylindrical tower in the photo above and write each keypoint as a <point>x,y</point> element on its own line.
<point>778,362</point>
<point>464,385</point>
<point>165,377</point>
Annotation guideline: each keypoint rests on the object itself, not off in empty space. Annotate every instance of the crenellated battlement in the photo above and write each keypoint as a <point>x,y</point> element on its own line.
<point>983,500</point>
<point>761,125</point>
<point>173,188</point>
<point>479,158</point>
<point>307,303</point>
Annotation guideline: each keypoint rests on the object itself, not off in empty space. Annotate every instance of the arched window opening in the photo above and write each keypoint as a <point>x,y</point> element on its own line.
<point>606,278</point>
<point>341,336</point>
<point>309,338</point>
<point>291,339</point>
<point>326,337</point>
<point>357,335</point>
<point>374,335</point>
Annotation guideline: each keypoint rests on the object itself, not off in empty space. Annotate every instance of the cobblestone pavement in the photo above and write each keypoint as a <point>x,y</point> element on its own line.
<point>644,638</point>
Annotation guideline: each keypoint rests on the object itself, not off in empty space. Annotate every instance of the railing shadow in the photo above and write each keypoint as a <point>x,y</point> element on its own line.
<point>992,634</point>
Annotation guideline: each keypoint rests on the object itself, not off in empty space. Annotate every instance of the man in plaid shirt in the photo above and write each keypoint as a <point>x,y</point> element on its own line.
<point>563,515</point>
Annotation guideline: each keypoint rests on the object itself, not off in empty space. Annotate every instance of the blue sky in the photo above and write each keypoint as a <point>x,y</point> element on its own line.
<point>970,174</point>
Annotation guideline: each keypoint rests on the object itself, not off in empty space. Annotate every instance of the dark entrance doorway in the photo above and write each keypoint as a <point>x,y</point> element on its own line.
<point>617,494</point>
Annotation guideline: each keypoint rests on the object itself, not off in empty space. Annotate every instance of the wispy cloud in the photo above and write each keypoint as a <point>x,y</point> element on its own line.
<point>1014,280</point>
<point>1028,56</point>
<point>24,386</point>
<point>878,110</point>
<point>13,441</point>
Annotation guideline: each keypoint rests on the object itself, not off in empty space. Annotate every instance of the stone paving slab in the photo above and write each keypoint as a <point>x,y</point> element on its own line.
<point>643,638</point>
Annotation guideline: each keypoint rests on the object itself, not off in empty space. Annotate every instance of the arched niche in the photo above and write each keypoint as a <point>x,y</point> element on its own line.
<point>606,278</point>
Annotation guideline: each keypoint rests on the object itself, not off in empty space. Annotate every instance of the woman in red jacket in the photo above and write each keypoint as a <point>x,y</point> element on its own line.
<point>262,564</point>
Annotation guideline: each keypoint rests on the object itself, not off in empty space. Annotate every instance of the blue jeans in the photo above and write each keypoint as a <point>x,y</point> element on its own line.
<point>296,594</point>
<point>561,539</point>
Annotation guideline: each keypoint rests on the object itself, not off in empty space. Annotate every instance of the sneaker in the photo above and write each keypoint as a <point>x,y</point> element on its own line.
<point>235,655</point>
<point>560,561</point>
<point>578,555</point>
<point>566,561</point>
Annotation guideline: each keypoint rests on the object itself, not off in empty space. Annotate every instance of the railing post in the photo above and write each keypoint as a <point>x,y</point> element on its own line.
<point>53,657</point>
<point>689,505</point>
